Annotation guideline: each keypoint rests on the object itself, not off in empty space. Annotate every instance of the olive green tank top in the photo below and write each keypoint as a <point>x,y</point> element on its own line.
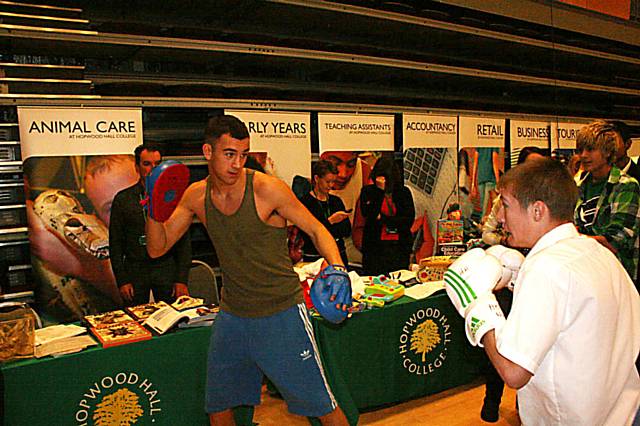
<point>258,277</point>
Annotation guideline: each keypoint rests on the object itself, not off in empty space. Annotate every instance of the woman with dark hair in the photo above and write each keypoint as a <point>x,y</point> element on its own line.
<point>387,206</point>
<point>328,209</point>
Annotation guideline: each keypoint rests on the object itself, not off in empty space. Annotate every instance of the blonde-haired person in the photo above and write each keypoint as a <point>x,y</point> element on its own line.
<point>609,199</point>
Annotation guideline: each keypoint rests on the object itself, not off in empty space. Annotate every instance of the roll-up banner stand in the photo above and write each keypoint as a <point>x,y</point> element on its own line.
<point>351,142</point>
<point>481,158</point>
<point>528,133</point>
<point>430,166</point>
<point>280,141</point>
<point>75,160</point>
<point>343,139</point>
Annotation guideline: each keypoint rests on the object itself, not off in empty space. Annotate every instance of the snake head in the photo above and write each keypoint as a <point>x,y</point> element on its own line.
<point>63,213</point>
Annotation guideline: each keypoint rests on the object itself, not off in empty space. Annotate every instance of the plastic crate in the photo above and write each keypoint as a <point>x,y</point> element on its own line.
<point>13,216</point>
<point>15,252</point>
<point>11,193</point>
<point>10,151</point>
<point>19,278</point>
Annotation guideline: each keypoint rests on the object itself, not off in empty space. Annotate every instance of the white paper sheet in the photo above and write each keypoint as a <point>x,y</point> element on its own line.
<point>424,290</point>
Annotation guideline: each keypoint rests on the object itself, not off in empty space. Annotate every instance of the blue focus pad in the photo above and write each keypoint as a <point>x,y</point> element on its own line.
<point>331,281</point>
<point>165,186</point>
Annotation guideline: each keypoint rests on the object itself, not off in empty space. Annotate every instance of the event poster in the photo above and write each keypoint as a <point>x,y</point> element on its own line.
<point>528,133</point>
<point>280,141</point>
<point>75,160</point>
<point>430,166</point>
<point>353,142</point>
<point>481,163</point>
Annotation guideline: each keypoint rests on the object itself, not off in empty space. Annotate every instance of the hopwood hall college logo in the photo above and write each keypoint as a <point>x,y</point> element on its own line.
<point>120,400</point>
<point>423,341</point>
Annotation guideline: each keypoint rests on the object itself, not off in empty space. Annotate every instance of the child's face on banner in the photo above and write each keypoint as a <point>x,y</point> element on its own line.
<point>103,186</point>
<point>345,162</point>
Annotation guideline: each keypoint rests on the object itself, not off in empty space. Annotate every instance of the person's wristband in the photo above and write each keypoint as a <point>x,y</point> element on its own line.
<point>339,268</point>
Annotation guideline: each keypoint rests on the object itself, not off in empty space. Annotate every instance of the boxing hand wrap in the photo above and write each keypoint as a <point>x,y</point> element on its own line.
<point>471,276</point>
<point>332,281</point>
<point>482,316</point>
<point>511,260</point>
<point>165,186</point>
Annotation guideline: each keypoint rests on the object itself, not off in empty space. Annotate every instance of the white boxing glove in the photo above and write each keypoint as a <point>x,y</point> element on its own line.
<point>472,275</point>
<point>483,316</point>
<point>511,260</point>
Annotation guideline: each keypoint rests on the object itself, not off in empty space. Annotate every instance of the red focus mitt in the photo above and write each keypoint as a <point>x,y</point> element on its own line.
<point>165,186</point>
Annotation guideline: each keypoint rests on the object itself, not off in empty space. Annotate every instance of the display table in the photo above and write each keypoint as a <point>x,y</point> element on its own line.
<point>406,350</point>
<point>160,381</point>
<point>409,349</point>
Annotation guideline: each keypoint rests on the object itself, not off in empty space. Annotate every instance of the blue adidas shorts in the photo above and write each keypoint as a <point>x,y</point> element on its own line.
<point>280,346</point>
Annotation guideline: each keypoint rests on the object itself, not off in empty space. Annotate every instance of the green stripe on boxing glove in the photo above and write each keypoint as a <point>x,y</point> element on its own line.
<point>472,275</point>
<point>483,315</point>
<point>511,260</point>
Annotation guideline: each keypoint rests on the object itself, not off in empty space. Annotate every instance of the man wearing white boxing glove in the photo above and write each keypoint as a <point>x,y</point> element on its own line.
<point>511,260</point>
<point>469,282</point>
<point>494,387</point>
<point>263,325</point>
<point>572,337</point>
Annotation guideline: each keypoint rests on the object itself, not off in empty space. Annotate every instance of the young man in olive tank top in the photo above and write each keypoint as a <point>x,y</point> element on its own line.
<point>263,326</point>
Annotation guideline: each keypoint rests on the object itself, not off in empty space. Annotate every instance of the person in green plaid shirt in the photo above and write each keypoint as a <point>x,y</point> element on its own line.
<point>609,200</point>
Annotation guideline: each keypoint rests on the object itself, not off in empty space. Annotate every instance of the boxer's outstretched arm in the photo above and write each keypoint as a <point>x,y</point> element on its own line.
<point>513,374</point>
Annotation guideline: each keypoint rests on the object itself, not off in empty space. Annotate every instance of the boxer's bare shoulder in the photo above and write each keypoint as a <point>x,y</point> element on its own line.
<point>193,199</point>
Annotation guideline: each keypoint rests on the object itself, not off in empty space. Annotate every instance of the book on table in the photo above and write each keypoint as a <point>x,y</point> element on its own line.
<point>61,339</point>
<point>187,302</point>
<point>142,312</point>
<point>107,319</point>
<point>164,319</point>
<point>121,333</point>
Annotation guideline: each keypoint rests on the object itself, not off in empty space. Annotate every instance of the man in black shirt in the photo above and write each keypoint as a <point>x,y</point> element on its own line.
<point>136,273</point>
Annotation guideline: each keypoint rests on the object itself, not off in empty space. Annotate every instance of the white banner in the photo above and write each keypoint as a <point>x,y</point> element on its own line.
<point>528,133</point>
<point>76,160</point>
<point>481,132</point>
<point>355,132</point>
<point>50,132</point>
<point>285,137</point>
<point>422,131</point>
<point>564,135</point>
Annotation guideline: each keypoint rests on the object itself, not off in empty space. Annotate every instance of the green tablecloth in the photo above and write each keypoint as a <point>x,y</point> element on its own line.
<point>409,349</point>
<point>406,350</point>
<point>159,381</point>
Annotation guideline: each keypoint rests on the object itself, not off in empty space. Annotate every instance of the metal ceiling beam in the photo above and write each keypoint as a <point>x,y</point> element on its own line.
<point>59,35</point>
<point>464,29</point>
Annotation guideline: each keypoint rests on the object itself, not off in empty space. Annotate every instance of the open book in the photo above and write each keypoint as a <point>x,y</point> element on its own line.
<point>61,339</point>
<point>166,318</point>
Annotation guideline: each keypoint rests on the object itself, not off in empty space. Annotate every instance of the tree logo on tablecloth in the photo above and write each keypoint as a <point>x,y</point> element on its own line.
<point>423,341</point>
<point>120,408</point>
<point>424,338</point>
<point>119,400</point>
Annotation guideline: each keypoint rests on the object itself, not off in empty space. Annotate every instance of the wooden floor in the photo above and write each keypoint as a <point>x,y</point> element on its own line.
<point>456,407</point>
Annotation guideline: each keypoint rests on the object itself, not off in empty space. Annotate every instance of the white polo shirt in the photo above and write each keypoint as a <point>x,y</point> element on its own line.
<point>574,324</point>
